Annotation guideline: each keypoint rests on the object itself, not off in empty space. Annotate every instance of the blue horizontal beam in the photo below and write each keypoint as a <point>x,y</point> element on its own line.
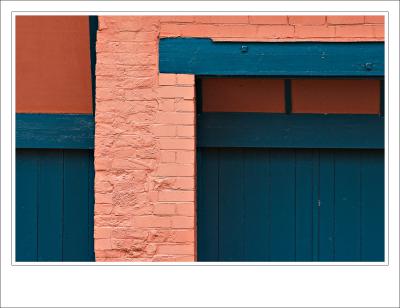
<point>204,57</point>
<point>55,131</point>
<point>290,131</point>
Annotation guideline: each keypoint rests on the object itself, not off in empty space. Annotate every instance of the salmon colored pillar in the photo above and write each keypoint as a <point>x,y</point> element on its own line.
<point>144,148</point>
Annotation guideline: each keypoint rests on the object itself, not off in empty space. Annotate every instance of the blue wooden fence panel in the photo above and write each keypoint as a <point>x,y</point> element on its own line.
<point>201,56</point>
<point>290,205</point>
<point>54,205</point>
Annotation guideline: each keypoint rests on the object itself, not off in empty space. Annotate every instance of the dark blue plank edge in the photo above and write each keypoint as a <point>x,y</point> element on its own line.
<point>290,131</point>
<point>202,56</point>
<point>55,131</point>
<point>93,26</point>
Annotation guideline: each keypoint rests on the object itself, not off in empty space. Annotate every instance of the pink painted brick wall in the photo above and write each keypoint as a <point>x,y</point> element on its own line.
<point>145,125</point>
<point>275,28</point>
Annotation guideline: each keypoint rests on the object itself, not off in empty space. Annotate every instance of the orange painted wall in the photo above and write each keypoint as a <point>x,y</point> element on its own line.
<point>335,96</point>
<point>53,64</point>
<point>352,96</point>
<point>243,95</point>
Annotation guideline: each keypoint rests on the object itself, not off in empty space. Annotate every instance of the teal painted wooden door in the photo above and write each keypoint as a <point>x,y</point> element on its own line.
<point>290,205</point>
<point>54,205</point>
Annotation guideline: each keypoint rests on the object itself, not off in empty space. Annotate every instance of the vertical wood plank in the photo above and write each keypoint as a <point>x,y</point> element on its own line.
<point>26,205</point>
<point>76,206</point>
<point>373,209</point>
<point>90,154</point>
<point>304,205</point>
<point>207,206</point>
<point>327,205</point>
<point>256,191</point>
<point>316,203</point>
<point>231,209</point>
<point>347,206</point>
<point>282,205</point>
<point>50,205</point>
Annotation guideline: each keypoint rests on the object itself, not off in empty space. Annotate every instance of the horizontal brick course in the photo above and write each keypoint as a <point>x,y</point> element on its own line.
<point>268,20</point>
<point>374,19</point>
<point>268,28</point>
<point>307,20</point>
<point>344,20</point>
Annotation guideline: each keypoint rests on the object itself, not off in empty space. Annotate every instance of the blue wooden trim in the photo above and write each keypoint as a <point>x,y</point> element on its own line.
<point>290,131</point>
<point>204,57</point>
<point>55,131</point>
<point>199,95</point>
<point>288,96</point>
<point>93,26</point>
<point>382,97</point>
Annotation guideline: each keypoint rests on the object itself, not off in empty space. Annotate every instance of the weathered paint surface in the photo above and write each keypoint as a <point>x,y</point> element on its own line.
<point>290,205</point>
<point>144,148</point>
<point>275,28</point>
<point>202,56</point>
<point>54,131</point>
<point>54,205</point>
<point>53,64</point>
<point>145,125</point>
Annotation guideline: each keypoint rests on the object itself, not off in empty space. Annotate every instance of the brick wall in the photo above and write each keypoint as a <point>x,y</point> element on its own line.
<point>275,28</point>
<point>145,125</point>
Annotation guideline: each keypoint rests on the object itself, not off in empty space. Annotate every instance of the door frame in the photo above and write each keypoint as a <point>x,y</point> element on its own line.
<point>206,58</point>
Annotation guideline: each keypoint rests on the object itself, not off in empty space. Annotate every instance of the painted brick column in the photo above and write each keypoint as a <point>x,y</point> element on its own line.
<point>144,148</point>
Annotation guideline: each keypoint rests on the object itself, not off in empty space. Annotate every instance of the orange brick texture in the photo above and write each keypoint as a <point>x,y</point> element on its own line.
<point>145,186</point>
<point>275,28</point>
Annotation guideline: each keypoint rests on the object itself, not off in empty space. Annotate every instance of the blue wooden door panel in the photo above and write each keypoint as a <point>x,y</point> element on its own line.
<point>327,206</point>
<point>90,252</point>
<point>290,205</point>
<point>50,205</point>
<point>347,206</point>
<point>26,205</point>
<point>77,228</point>
<point>231,211</point>
<point>256,205</point>
<point>372,211</point>
<point>304,184</point>
<point>282,241</point>
<point>207,192</point>
<point>54,204</point>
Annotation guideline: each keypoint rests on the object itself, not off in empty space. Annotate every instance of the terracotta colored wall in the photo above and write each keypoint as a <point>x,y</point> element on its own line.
<point>53,64</point>
<point>336,96</point>
<point>145,125</point>
<point>243,95</point>
<point>351,96</point>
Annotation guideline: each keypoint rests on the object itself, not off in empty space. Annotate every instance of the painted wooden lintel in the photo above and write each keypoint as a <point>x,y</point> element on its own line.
<point>290,131</point>
<point>201,56</point>
<point>55,131</point>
